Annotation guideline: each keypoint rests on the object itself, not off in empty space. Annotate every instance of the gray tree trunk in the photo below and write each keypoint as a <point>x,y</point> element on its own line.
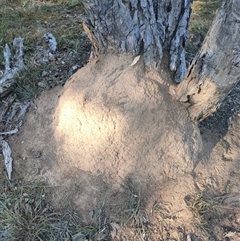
<point>151,28</point>
<point>216,68</point>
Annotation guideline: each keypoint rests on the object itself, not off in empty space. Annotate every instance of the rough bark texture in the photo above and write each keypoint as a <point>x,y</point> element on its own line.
<point>147,27</point>
<point>216,68</point>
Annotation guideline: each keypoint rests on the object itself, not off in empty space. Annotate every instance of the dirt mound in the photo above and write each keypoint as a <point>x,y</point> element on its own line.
<point>112,119</point>
<point>111,128</point>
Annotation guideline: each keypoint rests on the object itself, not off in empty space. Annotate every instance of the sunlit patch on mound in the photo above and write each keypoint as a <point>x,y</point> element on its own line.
<point>78,125</point>
<point>85,133</point>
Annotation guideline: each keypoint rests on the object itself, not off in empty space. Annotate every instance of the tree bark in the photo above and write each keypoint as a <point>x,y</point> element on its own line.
<point>216,68</point>
<point>151,28</point>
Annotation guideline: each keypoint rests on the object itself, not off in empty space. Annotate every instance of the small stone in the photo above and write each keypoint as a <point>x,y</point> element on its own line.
<point>75,67</point>
<point>44,73</point>
<point>42,84</point>
<point>51,57</point>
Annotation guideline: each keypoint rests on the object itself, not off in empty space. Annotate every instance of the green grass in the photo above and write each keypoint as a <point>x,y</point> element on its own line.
<point>26,215</point>
<point>203,13</point>
<point>26,86</point>
<point>31,19</point>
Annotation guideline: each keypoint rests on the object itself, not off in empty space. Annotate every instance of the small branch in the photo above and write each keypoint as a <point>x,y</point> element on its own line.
<point>14,131</point>
<point>13,65</point>
<point>7,157</point>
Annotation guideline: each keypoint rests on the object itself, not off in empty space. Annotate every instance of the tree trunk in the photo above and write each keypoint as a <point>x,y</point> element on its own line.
<point>216,68</point>
<point>147,27</point>
<point>157,29</point>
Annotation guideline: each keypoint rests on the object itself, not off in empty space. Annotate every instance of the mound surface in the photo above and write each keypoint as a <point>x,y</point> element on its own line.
<point>110,123</point>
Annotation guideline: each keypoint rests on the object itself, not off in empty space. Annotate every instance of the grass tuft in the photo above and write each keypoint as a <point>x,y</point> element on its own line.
<point>205,210</point>
<point>200,204</point>
<point>136,217</point>
<point>26,92</point>
<point>25,215</point>
<point>26,86</point>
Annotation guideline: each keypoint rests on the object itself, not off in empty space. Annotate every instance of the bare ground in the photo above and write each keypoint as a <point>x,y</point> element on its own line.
<point>113,139</point>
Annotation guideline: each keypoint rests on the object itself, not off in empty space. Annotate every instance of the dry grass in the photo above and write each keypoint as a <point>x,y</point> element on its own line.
<point>135,216</point>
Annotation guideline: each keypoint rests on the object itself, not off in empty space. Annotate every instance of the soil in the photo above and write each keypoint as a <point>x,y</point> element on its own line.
<point>113,130</point>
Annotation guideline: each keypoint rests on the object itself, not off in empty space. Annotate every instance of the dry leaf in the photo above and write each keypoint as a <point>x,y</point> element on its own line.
<point>135,60</point>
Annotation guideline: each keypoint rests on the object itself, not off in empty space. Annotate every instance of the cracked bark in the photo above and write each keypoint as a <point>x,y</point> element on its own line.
<point>147,27</point>
<point>216,68</point>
